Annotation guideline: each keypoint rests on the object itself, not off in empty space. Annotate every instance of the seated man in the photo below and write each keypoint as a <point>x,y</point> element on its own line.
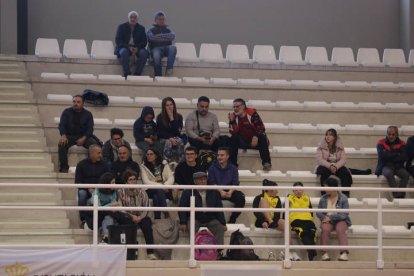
<point>409,149</point>
<point>391,159</point>
<point>160,39</point>
<point>214,221</point>
<point>248,132</point>
<point>124,163</point>
<point>131,40</point>
<point>75,128</point>
<point>110,148</point>
<point>184,171</point>
<point>89,171</point>
<point>222,172</point>
<point>202,127</point>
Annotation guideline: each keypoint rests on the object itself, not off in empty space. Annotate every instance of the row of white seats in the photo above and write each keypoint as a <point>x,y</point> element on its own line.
<point>154,101</point>
<point>403,130</point>
<point>229,81</point>
<point>262,54</point>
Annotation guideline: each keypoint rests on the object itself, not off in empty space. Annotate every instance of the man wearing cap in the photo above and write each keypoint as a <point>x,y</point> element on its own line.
<point>160,39</point>
<point>214,221</point>
<point>131,41</point>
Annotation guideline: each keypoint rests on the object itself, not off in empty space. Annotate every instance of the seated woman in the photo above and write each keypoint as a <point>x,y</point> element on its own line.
<point>135,198</point>
<point>330,221</point>
<point>302,222</point>
<point>271,220</point>
<point>106,197</point>
<point>154,170</point>
<point>331,159</point>
<point>170,125</point>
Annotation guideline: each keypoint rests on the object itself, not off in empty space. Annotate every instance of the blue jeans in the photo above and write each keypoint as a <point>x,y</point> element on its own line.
<point>124,55</point>
<point>164,51</point>
<point>83,196</point>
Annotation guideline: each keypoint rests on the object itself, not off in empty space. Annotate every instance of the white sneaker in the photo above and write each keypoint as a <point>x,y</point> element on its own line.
<point>343,257</point>
<point>295,256</point>
<point>291,256</point>
<point>152,257</point>
<point>325,257</point>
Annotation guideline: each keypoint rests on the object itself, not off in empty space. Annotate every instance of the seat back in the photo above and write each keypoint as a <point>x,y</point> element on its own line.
<point>343,56</point>
<point>102,49</point>
<point>75,48</point>
<point>47,47</point>
<point>264,54</point>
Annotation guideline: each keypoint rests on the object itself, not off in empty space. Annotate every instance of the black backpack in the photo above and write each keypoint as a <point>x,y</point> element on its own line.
<point>206,159</point>
<point>95,97</point>
<point>237,238</point>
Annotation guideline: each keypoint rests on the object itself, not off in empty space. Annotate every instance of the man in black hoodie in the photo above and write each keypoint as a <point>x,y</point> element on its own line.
<point>145,130</point>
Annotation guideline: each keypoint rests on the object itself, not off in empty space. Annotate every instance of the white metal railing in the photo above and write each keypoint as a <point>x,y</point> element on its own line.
<point>192,209</point>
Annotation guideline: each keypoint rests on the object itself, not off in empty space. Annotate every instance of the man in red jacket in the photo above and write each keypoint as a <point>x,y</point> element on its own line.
<point>248,132</point>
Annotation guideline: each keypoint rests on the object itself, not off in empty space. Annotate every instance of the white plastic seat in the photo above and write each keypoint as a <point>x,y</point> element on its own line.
<point>369,57</point>
<point>120,99</point>
<point>59,97</point>
<point>246,173</point>
<point>284,149</point>
<point>75,48</point>
<point>47,47</point>
<point>373,105</point>
<point>398,106</point>
<point>211,53</point>
<point>172,80</point>
<point>309,150</point>
<point>105,77</point>
<point>357,84</point>
<point>260,103</point>
<point>102,121</point>
<point>226,102</point>
<point>404,202</point>
<point>406,85</point>
<point>46,75</point>
<point>182,101</point>
<point>331,84</point>
<point>343,105</point>
<point>357,127</point>
<point>300,174</point>
<point>394,58</point>
<point>277,83</point>
<point>145,79</point>
<point>301,126</point>
<point>103,49</point>
<point>411,57</point>
<point>350,150</point>
<point>291,55</point>
<point>381,128</point>
<point>317,56</point>
<point>407,129</point>
<point>304,83</point>
<point>223,81</point>
<point>124,122</point>
<point>276,126</point>
<point>325,127</point>
<point>270,173</point>
<point>362,229</point>
<point>186,52</point>
<point>238,54</point>
<point>195,80</point>
<point>396,230</point>
<point>384,84</point>
<point>374,202</point>
<point>250,82</point>
<point>368,150</point>
<point>82,76</point>
<point>354,202</point>
<point>343,56</point>
<point>289,104</point>
<point>316,104</point>
<point>264,54</point>
<point>223,125</point>
<point>147,100</point>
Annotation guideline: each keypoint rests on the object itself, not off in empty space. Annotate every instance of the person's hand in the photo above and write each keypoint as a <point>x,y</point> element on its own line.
<point>133,49</point>
<point>211,141</point>
<point>204,140</point>
<point>225,228</point>
<point>63,140</point>
<point>231,116</point>
<point>81,141</point>
<point>91,190</point>
<point>333,169</point>
<point>265,225</point>
<point>326,219</point>
<point>223,194</point>
<point>183,227</point>
<point>135,219</point>
<point>148,141</point>
<point>254,142</point>
<point>173,141</point>
<point>229,193</point>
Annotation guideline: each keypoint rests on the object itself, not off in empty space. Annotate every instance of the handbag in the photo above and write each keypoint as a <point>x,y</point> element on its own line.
<point>165,231</point>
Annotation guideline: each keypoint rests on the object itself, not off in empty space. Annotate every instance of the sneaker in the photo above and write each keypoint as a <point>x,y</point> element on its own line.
<point>267,166</point>
<point>168,72</point>
<point>64,170</point>
<point>325,257</point>
<point>152,257</point>
<point>82,224</point>
<point>86,227</point>
<point>104,240</point>
<point>312,254</point>
<point>232,221</point>
<point>343,257</point>
<point>290,256</point>
<point>295,256</point>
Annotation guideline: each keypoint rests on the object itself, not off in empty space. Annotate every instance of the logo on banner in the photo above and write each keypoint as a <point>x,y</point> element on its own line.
<point>16,270</point>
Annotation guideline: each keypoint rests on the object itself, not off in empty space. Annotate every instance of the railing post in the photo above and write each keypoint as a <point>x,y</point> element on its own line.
<point>192,262</point>
<point>380,259</point>
<point>287,262</point>
<point>95,219</point>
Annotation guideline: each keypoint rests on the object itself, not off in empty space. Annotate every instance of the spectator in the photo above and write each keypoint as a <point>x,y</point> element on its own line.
<point>145,130</point>
<point>160,39</point>
<point>169,127</point>
<point>214,221</point>
<point>409,165</point>
<point>75,128</point>
<point>124,163</point>
<point>222,172</point>
<point>202,127</point>
<point>334,221</point>
<point>154,170</point>
<point>331,159</point>
<point>110,148</point>
<point>248,132</point>
<point>131,40</point>
<point>89,171</point>
<point>106,197</point>
<point>135,198</point>
<point>184,171</point>
<point>302,222</point>
<point>391,158</point>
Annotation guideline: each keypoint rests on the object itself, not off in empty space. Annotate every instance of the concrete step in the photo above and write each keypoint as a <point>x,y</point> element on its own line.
<point>31,214</point>
<point>32,177</point>
<point>19,119</point>
<point>16,109</point>
<point>18,167</point>
<point>37,145</point>
<point>31,201</point>
<point>6,86</point>
<point>17,158</point>
<point>28,196</point>
<point>20,133</point>
<point>5,240</point>
<point>33,224</point>
<point>10,95</point>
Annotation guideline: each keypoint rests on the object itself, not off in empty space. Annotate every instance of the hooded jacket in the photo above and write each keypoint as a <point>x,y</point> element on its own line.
<point>143,129</point>
<point>123,35</point>
<point>149,178</point>
<point>253,118</point>
<point>159,36</point>
<point>391,155</point>
<point>223,176</point>
<point>322,154</point>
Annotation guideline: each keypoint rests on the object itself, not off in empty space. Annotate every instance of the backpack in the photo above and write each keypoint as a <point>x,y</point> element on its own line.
<point>206,159</point>
<point>165,231</point>
<point>205,237</point>
<point>237,238</point>
<point>95,97</point>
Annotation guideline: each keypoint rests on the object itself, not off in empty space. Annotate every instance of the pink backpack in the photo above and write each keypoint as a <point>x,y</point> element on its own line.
<point>205,237</point>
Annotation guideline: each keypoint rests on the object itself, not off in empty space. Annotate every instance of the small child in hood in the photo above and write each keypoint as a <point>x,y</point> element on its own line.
<point>145,130</point>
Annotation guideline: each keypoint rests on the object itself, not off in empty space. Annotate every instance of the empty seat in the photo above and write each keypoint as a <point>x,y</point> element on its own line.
<point>59,97</point>
<point>394,58</point>
<point>396,230</point>
<point>250,82</point>
<point>270,173</point>
<point>407,129</point>
<point>317,56</point>
<point>342,56</point>
<point>291,55</point>
<point>226,102</point>
<point>47,47</point>
<point>111,77</point>
<point>75,48</point>
<point>368,150</point>
<point>382,128</point>
<point>357,127</point>
<point>362,229</point>
<point>120,99</point>
<point>406,85</point>
<point>374,105</point>
<point>309,150</point>
<point>285,149</point>
<point>46,75</point>
<point>404,202</point>
<point>357,84</point>
<point>289,104</point>
<point>124,122</point>
<point>196,80</point>
<point>384,84</point>
<point>304,83</point>
<point>211,53</point>
<point>300,126</point>
<point>264,54</point>
<point>246,173</point>
<point>343,105</point>
<point>374,202</point>
<point>316,104</point>
<point>103,49</point>
<point>223,125</point>
<point>398,105</point>
<point>350,150</point>
<point>369,57</point>
<point>237,54</point>
<point>182,101</point>
<point>82,76</point>
<point>225,81</point>
<point>276,126</point>
<point>186,52</point>
<point>260,103</point>
<point>331,84</point>
<point>147,100</point>
<point>301,174</point>
<point>278,83</point>
<point>411,57</point>
<point>170,80</point>
<point>140,78</point>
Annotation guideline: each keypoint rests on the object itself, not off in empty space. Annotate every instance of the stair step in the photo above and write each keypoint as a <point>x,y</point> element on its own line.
<point>31,202</point>
<point>32,176</point>
<point>34,224</point>
<point>30,240</point>
<point>14,86</point>
<point>28,196</point>
<point>35,232</point>
<point>3,78</point>
<point>32,214</point>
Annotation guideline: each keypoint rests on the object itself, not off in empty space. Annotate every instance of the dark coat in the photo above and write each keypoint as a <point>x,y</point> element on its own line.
<point>123,35</point>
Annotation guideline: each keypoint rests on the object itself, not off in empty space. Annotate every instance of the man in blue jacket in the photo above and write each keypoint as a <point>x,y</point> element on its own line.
<point>131,40</point>
<point>75,128</point>
<point>223,172</point>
